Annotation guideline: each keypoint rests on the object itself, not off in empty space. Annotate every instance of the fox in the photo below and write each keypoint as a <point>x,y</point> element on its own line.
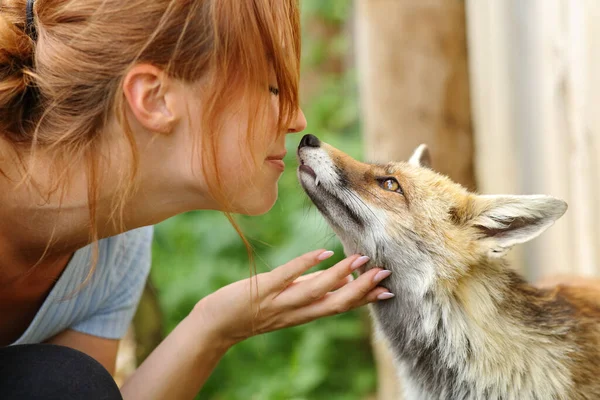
<point>463,324</point>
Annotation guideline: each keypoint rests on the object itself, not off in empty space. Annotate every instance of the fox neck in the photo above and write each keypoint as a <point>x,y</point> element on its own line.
<point>481,336</point>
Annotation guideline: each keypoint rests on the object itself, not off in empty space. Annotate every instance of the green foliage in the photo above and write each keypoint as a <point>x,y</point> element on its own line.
<point>197,253</point>
<point>335,11</point>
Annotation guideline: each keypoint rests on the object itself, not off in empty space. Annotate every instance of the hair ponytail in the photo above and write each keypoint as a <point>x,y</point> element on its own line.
<point>17,88</point>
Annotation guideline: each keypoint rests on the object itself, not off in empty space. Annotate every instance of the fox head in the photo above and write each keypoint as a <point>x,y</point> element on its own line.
<point>416,222</point>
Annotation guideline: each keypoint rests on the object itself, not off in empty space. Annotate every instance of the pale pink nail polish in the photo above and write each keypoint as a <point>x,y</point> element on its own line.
<point>381,275</point>
<point>360,261</point>
<point>325,255</point>
<point>385,296</point>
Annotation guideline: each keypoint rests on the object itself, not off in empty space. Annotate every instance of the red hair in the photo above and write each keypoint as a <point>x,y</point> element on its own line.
<point>57,94</point>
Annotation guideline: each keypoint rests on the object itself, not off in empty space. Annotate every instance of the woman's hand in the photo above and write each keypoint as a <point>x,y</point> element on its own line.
<point>283,298</point>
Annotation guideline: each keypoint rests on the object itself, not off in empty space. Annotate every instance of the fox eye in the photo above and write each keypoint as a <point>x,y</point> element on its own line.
<point>391,184</point>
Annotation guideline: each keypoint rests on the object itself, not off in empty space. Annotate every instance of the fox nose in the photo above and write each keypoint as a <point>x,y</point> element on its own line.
<point>309,141</point>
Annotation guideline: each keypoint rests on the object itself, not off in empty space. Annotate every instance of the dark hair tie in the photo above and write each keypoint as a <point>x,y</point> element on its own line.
<point>31,97</point>
<point>29,22</point>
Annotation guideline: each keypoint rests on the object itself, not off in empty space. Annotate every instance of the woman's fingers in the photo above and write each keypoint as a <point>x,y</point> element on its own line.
<point>308,276</point>
<point>361,291</point>
<point>313,289</point>
<point>345,280</point>
<point>354,294</point>
<point>284,275</point>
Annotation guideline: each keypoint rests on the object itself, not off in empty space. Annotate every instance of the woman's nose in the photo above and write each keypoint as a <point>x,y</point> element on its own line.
<point>299,123</point>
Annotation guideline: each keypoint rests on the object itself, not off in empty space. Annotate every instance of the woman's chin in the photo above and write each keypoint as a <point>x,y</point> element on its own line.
<point>257,204</point>
<point>263,208</point>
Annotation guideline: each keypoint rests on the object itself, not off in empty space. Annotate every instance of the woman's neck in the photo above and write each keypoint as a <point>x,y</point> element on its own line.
<point>42,223</point>
<point>34,231</point>
<point>37,219</point>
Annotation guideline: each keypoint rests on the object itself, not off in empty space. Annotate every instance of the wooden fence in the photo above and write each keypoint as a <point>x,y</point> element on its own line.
<point>536,111</point>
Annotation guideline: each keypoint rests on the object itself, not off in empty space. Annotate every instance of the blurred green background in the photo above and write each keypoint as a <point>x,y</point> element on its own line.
<point>196,253</point>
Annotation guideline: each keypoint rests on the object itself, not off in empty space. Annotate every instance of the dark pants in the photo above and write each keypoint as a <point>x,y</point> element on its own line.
<point>50,372</point>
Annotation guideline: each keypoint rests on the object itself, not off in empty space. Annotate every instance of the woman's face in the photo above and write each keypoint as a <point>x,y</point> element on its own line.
<point>251,166</point>
<point>250,163</point>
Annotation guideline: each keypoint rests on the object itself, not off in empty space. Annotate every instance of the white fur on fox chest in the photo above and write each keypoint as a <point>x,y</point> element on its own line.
<point>506,363</point>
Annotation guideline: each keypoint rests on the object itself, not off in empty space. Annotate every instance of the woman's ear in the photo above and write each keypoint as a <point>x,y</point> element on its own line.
<point>146,89</point>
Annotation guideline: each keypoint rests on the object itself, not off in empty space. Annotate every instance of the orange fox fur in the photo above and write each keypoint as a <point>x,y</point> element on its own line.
<point>463,325</point>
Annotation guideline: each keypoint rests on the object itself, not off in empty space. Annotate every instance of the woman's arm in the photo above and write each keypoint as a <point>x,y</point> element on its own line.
<point>102,350</point>
<point>180,365</point>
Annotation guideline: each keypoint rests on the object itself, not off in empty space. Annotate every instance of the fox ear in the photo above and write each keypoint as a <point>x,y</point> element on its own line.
<point>421,157</point>
<point>508,220</point>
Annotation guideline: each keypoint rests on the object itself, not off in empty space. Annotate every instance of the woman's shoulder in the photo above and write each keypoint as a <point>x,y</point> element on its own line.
<point>96,298</point>
<point>126,253</point>
<point>132,238</point>
<point>128,242</point>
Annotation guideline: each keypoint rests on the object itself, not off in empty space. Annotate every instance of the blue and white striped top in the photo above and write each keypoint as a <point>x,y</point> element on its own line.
<point>105,305</point>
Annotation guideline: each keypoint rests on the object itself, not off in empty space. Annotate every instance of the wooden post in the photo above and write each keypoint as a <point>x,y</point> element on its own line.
<point>414,88</point>
<point>536,91</point>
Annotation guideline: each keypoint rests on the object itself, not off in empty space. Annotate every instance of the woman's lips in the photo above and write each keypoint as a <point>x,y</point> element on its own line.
<point>276,163</point>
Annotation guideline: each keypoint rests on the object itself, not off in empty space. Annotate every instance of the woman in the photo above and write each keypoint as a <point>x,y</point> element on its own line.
<point>115,115</point>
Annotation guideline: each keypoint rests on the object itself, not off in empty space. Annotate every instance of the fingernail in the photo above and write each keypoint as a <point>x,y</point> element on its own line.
<point>385,296</point>
<point>362,260</point>
<point>325,255</point>
<point>381,275</point>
